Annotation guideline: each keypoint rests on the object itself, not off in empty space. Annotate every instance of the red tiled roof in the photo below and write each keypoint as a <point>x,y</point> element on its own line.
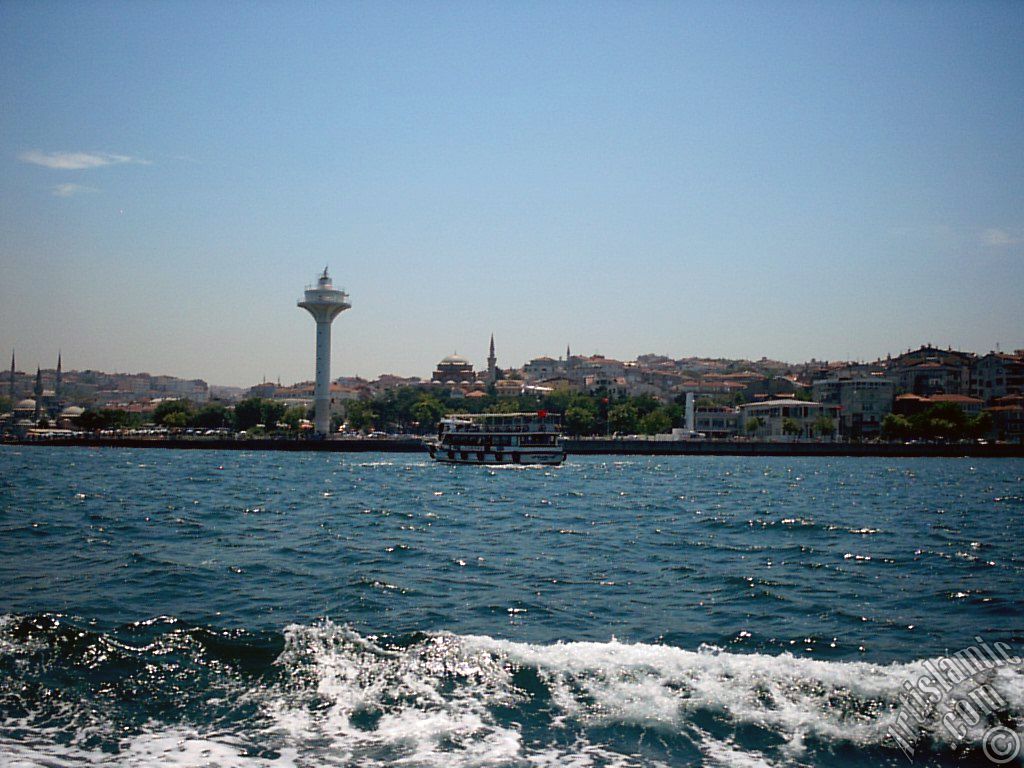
<point>1010,399</point>
<point>954,399</point>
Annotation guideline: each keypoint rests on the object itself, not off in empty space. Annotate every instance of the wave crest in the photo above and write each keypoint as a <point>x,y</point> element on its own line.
<point>325,694</point>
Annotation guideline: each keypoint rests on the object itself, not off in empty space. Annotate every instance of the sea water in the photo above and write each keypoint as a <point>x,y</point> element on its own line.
<point>280,609</point>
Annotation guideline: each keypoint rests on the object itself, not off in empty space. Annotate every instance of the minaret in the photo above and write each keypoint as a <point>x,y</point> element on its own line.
<point>324,303</point>
<point>56,386</point>
<point>39,395</point>
<point>492,364</point>
<point>10,385</point>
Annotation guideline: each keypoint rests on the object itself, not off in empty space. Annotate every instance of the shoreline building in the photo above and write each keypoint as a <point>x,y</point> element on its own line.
<point>863,403</point>
<point>42,405</point>
<point>774,416</point>
<point>453,370</point>
<point>324,302</point>
<point>997,375</point>
<point>457,373</point>
<point>932,371</point>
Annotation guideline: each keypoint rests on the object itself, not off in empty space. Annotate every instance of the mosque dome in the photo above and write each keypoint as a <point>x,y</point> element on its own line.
<point>28,404</point>
<point>72,412</point>
<point>454,369</point>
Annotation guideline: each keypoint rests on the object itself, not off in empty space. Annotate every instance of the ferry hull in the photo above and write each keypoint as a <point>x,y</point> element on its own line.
<point>548,456</point>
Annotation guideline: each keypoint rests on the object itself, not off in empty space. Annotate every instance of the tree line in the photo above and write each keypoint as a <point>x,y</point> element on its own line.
<point>411,410</point>
<point>248,414</point>
<point>942,421</point>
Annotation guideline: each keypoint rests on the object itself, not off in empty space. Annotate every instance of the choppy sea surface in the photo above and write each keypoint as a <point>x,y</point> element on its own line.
<point>273,609</point>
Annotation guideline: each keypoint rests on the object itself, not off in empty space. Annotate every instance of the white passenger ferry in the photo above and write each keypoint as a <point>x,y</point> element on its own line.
<point>499,438</point>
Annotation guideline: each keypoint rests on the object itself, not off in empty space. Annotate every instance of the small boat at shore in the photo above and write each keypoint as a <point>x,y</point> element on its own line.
<point>499,438</point>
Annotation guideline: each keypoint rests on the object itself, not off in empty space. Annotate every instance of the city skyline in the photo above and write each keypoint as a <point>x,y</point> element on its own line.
<point>30,372</point>
<point>794,182</point>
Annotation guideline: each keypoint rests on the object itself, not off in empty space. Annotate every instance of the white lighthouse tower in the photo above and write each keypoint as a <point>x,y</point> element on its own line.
<point>324,302</point>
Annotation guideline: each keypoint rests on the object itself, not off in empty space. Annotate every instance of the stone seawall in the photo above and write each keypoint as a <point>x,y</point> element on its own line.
<point>392,445</point>
<point>751,448</point>
<point>574,447</point>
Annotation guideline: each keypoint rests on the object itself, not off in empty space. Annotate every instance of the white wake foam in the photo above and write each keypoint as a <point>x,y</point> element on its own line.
<point>346,700</point>
<point>664,687</point>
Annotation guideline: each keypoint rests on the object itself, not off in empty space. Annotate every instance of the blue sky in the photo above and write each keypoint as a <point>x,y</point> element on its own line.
<point>790,179</point>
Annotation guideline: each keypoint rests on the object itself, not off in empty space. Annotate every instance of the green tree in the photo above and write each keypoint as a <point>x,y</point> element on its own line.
<point>6,405</point>
<point>623,418</point>
<point>427,412</point>
<point>676,414</point>
<point>212,416</point>
<point>941,429</point>
<point>506,405</point>
<point>388,409</point>
<point>824,426</point>
<point>168,408</point>
<point>108,418</point>
<point>271,412</point>
<point>655,422</point>
<point>754,424</point>
<point>791,427</point>
<point>174,420</point>
<point>941,421</point>
<point>359,415</point>
<point>645,404</point>
<point>982,424</point>
<point>559,401</point>
<point>248,413</point>
<point>293,415</point>
<point>579,420</point>
<point>955,420</point>
<point>92,421</point>
<point>406,400</point>
<point>896,427</point>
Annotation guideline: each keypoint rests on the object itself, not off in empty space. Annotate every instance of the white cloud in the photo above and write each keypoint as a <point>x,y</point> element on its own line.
<point>998,237</point>
<point>75,161</point>
<point>67,190</point>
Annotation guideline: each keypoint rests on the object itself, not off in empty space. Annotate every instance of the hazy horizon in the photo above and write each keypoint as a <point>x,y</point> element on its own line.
<point>731,180</point>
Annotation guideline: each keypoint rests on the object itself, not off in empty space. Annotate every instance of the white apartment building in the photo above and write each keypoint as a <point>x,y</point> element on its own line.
<point>773,415</point>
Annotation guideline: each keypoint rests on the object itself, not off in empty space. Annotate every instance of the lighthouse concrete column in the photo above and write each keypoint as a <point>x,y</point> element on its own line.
<point>324,302</point>
<point>322,392</point>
